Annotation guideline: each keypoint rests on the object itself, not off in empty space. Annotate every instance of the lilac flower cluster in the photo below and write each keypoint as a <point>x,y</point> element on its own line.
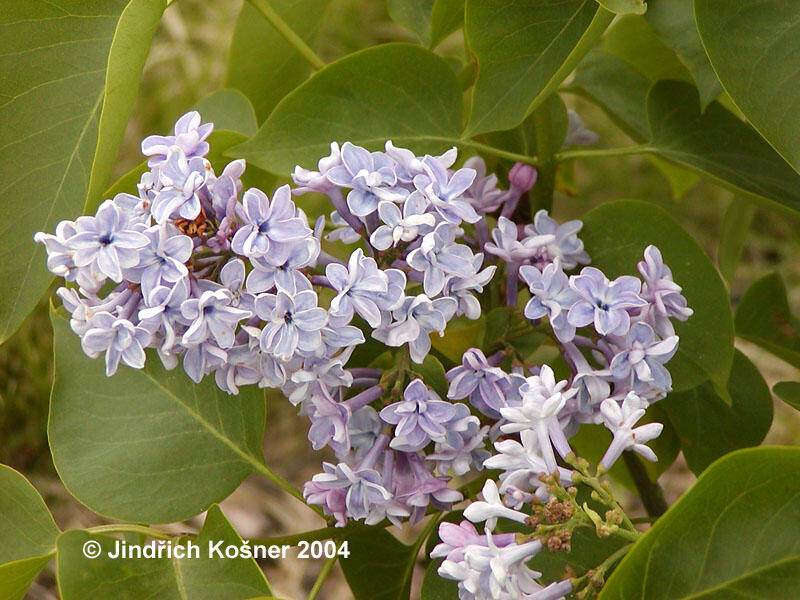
<point>616,336</point>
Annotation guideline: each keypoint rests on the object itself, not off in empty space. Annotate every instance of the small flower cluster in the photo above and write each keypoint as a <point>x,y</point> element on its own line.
<point>616,336</point>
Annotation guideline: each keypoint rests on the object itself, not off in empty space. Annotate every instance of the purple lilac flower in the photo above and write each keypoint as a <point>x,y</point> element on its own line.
<point>460,288</point>
<point>211,316</point>
<point>317,181</point>
<point>362,287</point>
<point>342,232</point>
<point>328,424</point>
<point>120,339</point>
<point>181,180</point>
<point>346,492</point>
<point>419,417</point>
<point>620,420</point>
<point>604,303</point>
<point>483,194</point>
<point>661,292</point>
<point>416,488</point>
<point>162,314</point>
<point>408,165</point>
<point>642,360</point>
<point>59,253</point>
<point>268,226</point>
<point>414,320</point>
<point>402,227</point>
<point>492,508</point>
<point>370,177</point>
<point>106,243</point>
<point>439,257</point>
<point>577,134</point>
<point>463,445</point>
<point>443,191</point>
<point>564,243</point>
<point>508,247</point>
<point>189,136</point>
<point>286,276</point>
<point>163,259</point>
<point>479,381</point>
<point>552,297</point>
<point>457,537</point>
<point>292,323</point>
<point>363,429</point>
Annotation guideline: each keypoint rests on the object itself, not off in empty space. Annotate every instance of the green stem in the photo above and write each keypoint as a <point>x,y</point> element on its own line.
<point>649,491</point>
<point>324,533</point>
<point>542,197</point>
<point>271,15</point>
<point>603,152</point>
<point>123,528</point>
<point>626,534</point>
<point>523,158</point>
<point>323,574</point>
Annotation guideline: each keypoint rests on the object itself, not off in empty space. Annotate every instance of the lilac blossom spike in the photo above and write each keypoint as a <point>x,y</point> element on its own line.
<point>604,303</point>
<point>419,417</point>
<point>190,136</point>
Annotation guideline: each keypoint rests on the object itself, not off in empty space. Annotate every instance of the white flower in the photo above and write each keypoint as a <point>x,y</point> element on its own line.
<point>620,420</point>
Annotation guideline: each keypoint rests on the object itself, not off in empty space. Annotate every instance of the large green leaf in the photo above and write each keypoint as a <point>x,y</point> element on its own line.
<point>447,16</point>
<point>398,92</point>
<point>147,446</point>
<point>708,428</point>
<point>718,144</point>
<point>616,234</point>
<point>754,46</point>
<point>524,51</point>
<point>735,534</point>
<point>674,21</point>
<point>789,392</point>
<point>27,534</point>
<point>53,64</point>
<point>625,7</point>
<point>129,49</point>
<point>436,587</point>
<point>522,139</point>
<point>379,566</point>
<point>414,15</point>
<point>228,109</point>
<point>764,318</point>
<point>261,63</point>
<point>735,227</point>
<point>199,577</point>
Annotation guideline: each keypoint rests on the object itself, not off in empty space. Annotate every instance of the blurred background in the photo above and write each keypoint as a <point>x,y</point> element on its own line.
<point>188,61</point>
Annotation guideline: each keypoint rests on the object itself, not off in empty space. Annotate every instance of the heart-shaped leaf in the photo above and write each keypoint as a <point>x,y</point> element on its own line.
<point>147,446</point>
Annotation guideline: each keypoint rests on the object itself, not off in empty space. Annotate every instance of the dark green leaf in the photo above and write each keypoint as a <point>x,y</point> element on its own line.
<point>708,428</point>
<point>228,109</point>
<point>616,234</point>
<point>524,51</point>
<point>53,61</point>
<point>432,373</point>
<point>147,446</point>
<point>674,22</point>
<point>735,227</point>
<point>718,144</point>
<point>587,552</point>
<point>789,392</point>
<point>261,63</point>
<point>735,534</point>
<point>379,566</point>
<point>129,49</point>
<point>754,47</point>
<point>27,534</point>
<point>398,92</point>
<point>201,577</point>
<point>435,587</point>
<point>522,139</point>
<point>763,317</point>
<point>414,15</point>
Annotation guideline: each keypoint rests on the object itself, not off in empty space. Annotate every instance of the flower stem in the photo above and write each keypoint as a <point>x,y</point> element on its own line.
<point>649,491</point>
<point>271,15</point>
<point>546,181</point>
<point>602,152</point>
<point>323,574</point>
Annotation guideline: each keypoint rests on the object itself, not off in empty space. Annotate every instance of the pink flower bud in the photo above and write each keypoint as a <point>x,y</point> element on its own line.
<point>522,176</point>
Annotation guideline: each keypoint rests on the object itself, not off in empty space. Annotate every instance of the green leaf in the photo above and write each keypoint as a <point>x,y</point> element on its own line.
<point>414,15</point>
<point>228,109</point>
<point>432,373</point>
<point>789,392</point>
<point>261,63</point>
<point>625,7</point>
<point>201,577</point>
<point>587,551</point>
<point>708,428</point>
<point>127,55</point>
<point>697,549</point>
<point>53,60</point>
<point>447,16</point>
<point>27,534</point>
<point>522,139</point>
<point>398,92</point>
<point>754,48</point>
<point>461,335</point>
<point>735,227</point>
<point>147,446</point>
<point>763,317</point>
<point>615,235</point>
<point>717,144</point>
<point>674,22</point>
<point>379,566</point>
<point>524,51</point>
<point>436,587</point>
